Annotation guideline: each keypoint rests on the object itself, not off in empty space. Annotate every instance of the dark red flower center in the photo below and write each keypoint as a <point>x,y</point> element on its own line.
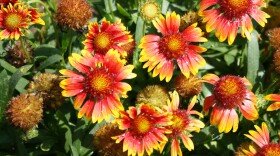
<point>102,42</point>
<point>235,8</point>
<point>269,150</point>
<point>180,120</point>
<point>12,21</point>
<point>229,91</point>
<point>173,46</point>
<point>141,125</point>
<point>99,83</point>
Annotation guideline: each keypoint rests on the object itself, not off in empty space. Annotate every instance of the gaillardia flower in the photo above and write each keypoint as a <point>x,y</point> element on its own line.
<point>160,53</point>
<point>144,129</point>
<point>182,124</point>
<point>6,2</point>
<point>150,10</point>
<point>264,146</point>
<point>16,17</point>
<point>99,84</point>
<point>274,105</point>
<point>100,39</point>
<point>230,15</point>
<point>229,92</point>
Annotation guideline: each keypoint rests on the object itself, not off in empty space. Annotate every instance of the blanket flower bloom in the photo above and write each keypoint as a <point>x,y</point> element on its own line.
<point>261,138</point>
<point>275,105</point>
<point>160,53</point>
<point>6,2</point>
<point>100,39</point>
<point>99,84</point>
<point>231,15</point>
<point>182,124</point>
<point>144,129</point>
<point>229,92</point>
<point>16,17</point>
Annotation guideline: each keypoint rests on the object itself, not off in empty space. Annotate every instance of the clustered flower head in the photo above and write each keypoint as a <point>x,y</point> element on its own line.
<point>229,92</point>
<point>101,38</point>
<point>149,10</point>
<point>73,14</point>
<point>16,18</point>
<point>230,15</point>
<point>262,144</point>
<point>15,54</point>
<point>161,52</point>
<point>47,86</point>
<point>98,84</point>
<point>25,111</point>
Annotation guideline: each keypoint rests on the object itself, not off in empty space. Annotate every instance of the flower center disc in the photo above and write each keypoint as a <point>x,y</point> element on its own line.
<point>150,10</point>
<point>230,91</point>
<point>99,83</point>
<point>173,46</point>
<point>180,121</point>
<point>141,125</point>
<point>102,42</point>
<point>235,8</point>
<point>12,21</point>
<point>269,150</point>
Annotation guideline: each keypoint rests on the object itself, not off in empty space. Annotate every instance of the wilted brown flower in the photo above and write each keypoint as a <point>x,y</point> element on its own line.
<point>129,48</point>
<point>276,61</point>
<point>155,95</point>
<point>15,54</point>
<point>25,111</point>
<point>105,144</point>
<point>188,87</point>
<point>274,37</point>
<point>73,13</point>
<point>47,85</point>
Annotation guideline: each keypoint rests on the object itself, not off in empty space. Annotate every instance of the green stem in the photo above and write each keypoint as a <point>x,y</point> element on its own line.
<point>25,50</point>
<point>111,10</point>
<point>70,43</point>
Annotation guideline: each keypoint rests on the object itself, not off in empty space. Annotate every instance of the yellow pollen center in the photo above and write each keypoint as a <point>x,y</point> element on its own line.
<point>150,10</point>
<point>173,46</point>
<point>238,3</point>
<point>101,41</point>
<point>142,124</point>
<point>100,83</point>
<point>12,21</point>
<point>229,87</point>
<point>178,122</point>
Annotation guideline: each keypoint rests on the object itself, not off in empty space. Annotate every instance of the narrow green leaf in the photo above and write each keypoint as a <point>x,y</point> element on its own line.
<point>8,66</point>
<point>51,60</point>
<point>4,89</point>
<point>139,33</point>
<point>122,10</point>
<point>16,77</point>
<point>253,56</point>
<point>45,50</point>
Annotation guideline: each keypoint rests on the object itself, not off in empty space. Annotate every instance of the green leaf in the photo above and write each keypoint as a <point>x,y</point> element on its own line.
<point>139,33</point>
<point>253,56</point>
<point>45,50</point>
<point>51,60</point>
<point>122,10</point>
<point>46,145</point>
<point>16,77</point>
<point>4,89</point>
<point>8,66</point>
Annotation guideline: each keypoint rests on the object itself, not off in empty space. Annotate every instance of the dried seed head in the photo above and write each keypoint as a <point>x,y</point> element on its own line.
<point>105,144</point>
<point>276,61</point>
<point>73,13</point>
<point>155,95</point>
<point>190,18</point>
<point>47,85</point>
<point>25,111</point>
<point>188,87</point>
<point>274,37</point>
<point>274,13</point>
<point>15,54</point>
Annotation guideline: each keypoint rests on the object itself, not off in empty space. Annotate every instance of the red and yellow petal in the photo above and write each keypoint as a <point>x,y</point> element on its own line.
<point>273,97</point>
<point>249,110</point>
<point>210,78</point>
<point>274,106</point>
<point>188,143</point>
<point>175,148</point>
